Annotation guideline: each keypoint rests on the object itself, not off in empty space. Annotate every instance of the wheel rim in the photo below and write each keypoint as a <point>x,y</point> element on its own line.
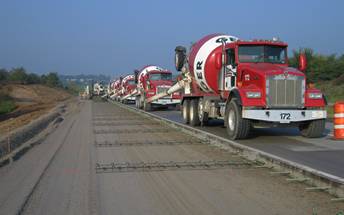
<point>191,113</point>
<point>184,111</point>
<point>231,120</point>
<point>200,110</point>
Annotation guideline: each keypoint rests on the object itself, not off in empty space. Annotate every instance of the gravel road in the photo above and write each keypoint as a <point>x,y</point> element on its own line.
<point>104,134</point>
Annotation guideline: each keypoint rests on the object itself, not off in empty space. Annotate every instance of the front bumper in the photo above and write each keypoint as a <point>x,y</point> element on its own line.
<point>284,116</point>
<point>131,98</point>
<point>166,101</point>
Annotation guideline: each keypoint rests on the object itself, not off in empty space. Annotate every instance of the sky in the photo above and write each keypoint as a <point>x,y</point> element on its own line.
<point>114,37</point>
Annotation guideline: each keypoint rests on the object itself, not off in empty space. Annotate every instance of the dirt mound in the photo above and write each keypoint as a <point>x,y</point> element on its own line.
<point>31,102</point>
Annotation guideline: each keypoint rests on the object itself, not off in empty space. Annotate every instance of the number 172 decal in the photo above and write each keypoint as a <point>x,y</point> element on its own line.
<point>285,116</point>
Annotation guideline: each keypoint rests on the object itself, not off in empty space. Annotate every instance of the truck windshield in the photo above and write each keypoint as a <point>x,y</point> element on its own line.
<point>131,82</point>
<point>262,53</point>
<point>160,76</point>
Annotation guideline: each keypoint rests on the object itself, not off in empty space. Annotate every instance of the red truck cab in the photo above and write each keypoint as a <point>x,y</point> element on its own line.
<point>246,83</point>
<point>127,87</point>
<point>152,80</point>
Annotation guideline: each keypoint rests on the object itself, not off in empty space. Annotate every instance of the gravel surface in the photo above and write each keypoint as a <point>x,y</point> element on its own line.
<point>70,184</point>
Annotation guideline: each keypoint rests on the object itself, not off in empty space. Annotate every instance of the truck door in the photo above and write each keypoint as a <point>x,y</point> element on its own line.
<point>230,73</point>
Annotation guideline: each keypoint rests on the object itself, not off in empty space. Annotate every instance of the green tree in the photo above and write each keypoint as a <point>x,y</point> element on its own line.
<point>18,75</point>
<point>319,67</point>
<point>32,78</point>
<point>43,79</point>
<point>73,87</point>
<point>3,75</point>
<point>52,80</point>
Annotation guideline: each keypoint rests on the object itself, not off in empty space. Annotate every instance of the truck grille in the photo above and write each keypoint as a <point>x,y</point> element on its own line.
<point>285,91</point>
<point>161,89</point>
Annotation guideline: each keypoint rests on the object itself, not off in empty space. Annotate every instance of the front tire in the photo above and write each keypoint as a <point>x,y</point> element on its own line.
<point>186,111</point>
<point>147,106</point>
<point>138,102</point>
<point>236,126</point>
<point>313,129</point>
<point>178,107</point>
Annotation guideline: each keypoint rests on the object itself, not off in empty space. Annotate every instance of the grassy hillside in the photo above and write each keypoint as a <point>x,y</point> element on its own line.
<point>20,104</point>
<point>332,92</point>
<point>6,104</point>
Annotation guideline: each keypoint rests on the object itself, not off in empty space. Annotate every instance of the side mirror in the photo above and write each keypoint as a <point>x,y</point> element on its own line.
<point>302,62</point>
<point>136,75</point>
<point>179,57</point>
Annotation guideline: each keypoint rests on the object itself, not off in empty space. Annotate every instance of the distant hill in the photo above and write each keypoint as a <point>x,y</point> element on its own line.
<point>84,79</point>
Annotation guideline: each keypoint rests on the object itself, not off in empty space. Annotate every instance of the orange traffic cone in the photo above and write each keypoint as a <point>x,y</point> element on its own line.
<point>338,120</point>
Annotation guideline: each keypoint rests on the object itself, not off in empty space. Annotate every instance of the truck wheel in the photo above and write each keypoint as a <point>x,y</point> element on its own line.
<point>140,102</point>
<point>179,58</point>
<point>194,120</point>
<point>313,128</point>
<point>147,106</point>
<point>202,116</point>
<point>177,107</point>
<point>137,102</point>
<point>186,111</point>
<point>236,126</point>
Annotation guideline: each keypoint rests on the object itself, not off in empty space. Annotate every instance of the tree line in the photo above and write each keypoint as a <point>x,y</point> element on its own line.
<point>320,67</point>
<point>21,76</point>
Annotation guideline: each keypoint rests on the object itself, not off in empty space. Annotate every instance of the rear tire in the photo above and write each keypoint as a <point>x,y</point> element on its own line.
<point>313,129</point>
<point>202,116</point>
<point>178,107</point>
<point>236,126</point>
<point>186,111</point>
<point>147,106</point>
<point>137,102</point>
<point>194,120</point>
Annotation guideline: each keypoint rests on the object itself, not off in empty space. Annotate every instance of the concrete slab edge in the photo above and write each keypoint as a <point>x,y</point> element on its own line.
<point>20,136</point>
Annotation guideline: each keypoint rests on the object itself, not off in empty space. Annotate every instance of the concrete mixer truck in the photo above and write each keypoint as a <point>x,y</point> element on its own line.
<point>153,80</point>
<point>247,83</point>
<point>98,89</point>
<point>115,88</point>
<point>127,88</point>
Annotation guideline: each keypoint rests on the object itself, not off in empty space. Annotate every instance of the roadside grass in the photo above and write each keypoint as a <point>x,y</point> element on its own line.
<point>333,92</point>
<point>6,104</point>
<point>329,110</point>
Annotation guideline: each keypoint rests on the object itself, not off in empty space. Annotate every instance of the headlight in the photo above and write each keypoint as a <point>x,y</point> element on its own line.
<point>315,95</point>
<point>253,95</point>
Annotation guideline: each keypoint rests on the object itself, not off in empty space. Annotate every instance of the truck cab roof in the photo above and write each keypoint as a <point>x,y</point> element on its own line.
<point>261,42</point>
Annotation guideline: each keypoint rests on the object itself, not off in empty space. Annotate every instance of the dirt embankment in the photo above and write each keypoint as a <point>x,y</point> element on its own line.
<point>31,101</point>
